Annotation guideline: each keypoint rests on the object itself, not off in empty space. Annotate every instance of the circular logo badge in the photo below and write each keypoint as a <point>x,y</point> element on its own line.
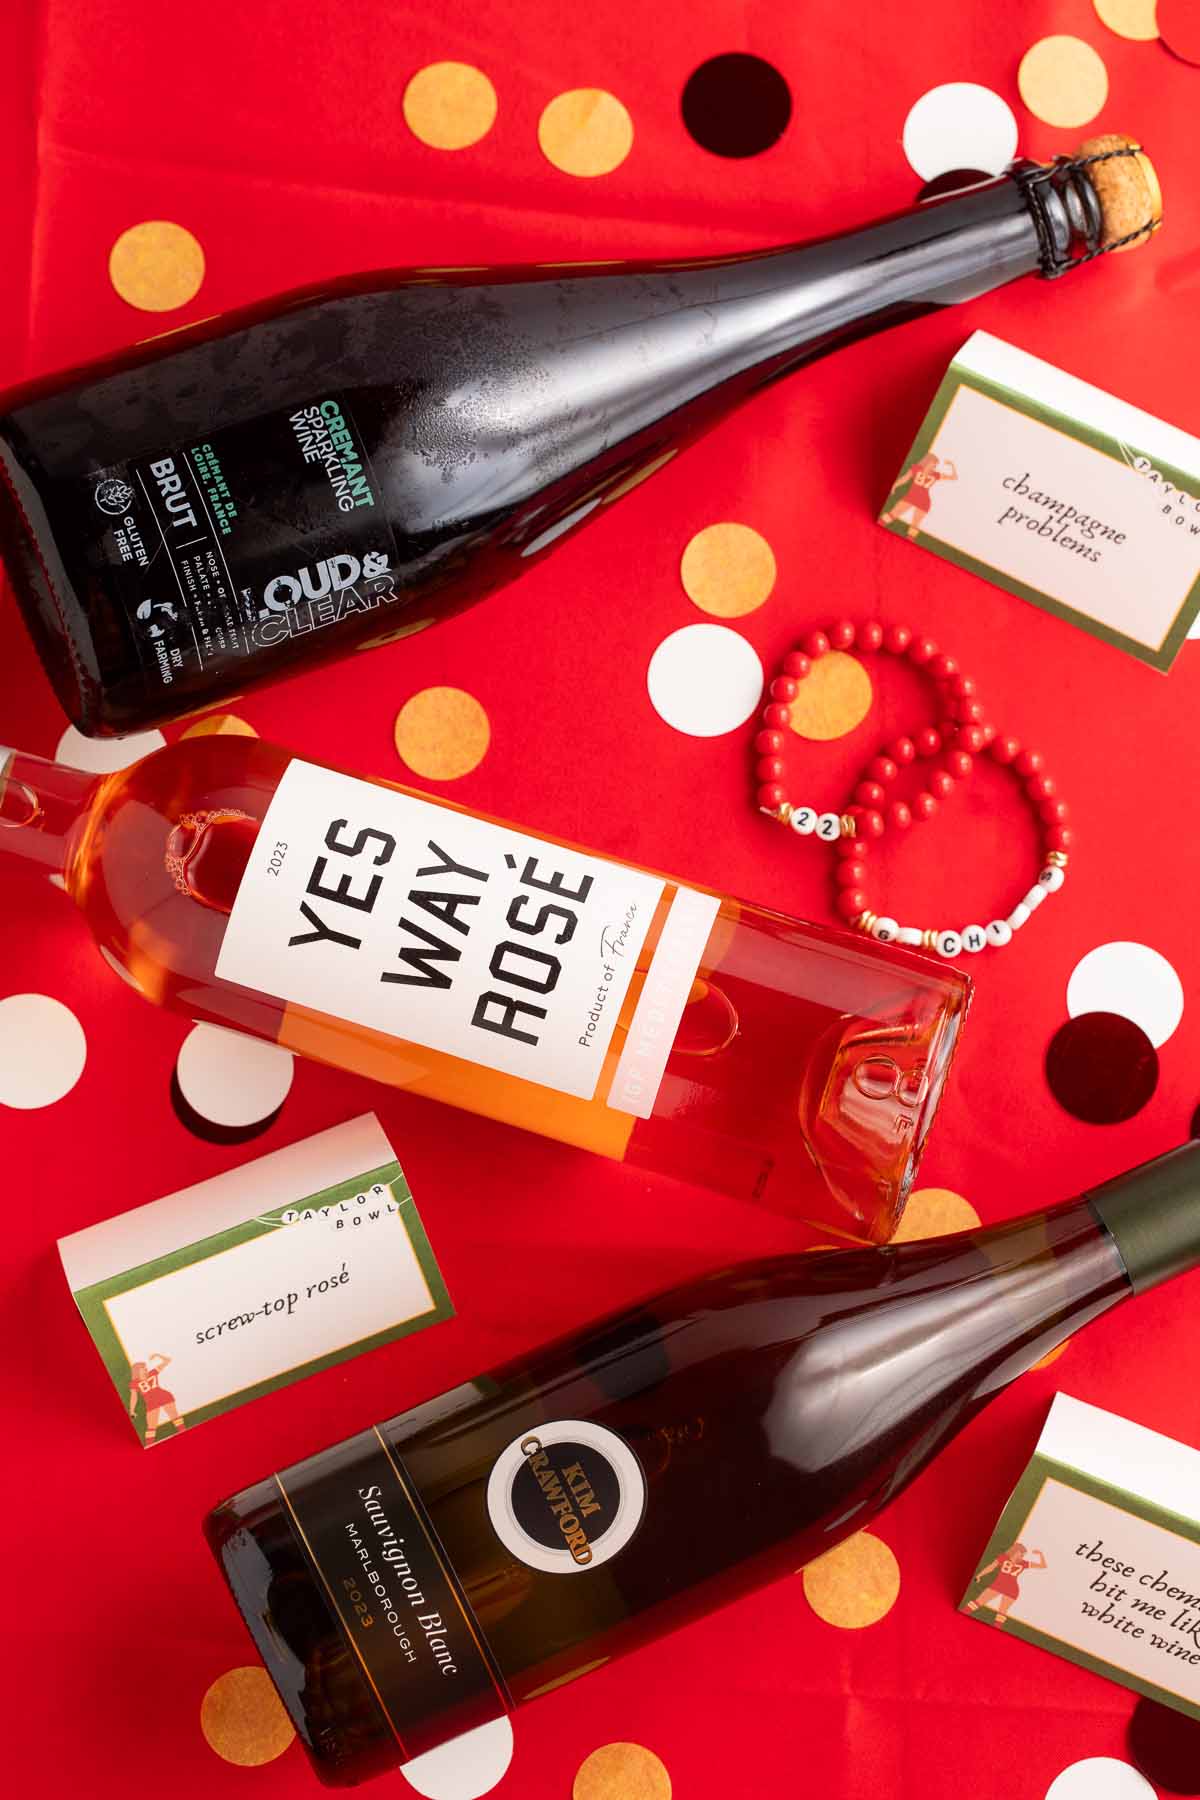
<point>566,1496</point>
<point>113,495</point>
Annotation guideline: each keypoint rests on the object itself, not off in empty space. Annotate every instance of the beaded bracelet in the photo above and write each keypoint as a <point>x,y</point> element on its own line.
<point>952,745</point>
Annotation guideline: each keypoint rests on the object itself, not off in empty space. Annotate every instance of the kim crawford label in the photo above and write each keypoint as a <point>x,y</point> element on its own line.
<point>399,1604</point>
<point>566,1496</point>
<point>452,932</point>
<point>227,549</point>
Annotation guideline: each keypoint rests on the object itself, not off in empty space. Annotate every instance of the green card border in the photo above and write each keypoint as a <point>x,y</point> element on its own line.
<point>1008,1530</point>
<point>91,1300</point>
<point>960,375</point>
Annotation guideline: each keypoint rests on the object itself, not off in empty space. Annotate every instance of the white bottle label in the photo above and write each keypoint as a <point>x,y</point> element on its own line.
<point>445,930</point>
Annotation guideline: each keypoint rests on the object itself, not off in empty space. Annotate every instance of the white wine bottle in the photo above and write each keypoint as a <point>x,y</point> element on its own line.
<point>489,1546</point>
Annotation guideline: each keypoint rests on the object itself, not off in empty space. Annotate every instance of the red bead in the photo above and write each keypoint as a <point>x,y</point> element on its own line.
<point>941,784</point>
<point>870,793</point>
<point>771,768</point>
<point>770,743</point>
<point>942,668</point>
<point>882,768</point>
<point>816,644</point>
<point>962,687</point>
<point>970,737</point>
<point>869,824</point>
<point>958,763</point>
<point>784,688</point>
<point>969,711</point>
<point>1054,812</point>
<point>1029,762</point>
<point>902,750</point>
<point>851,874</point>
<point>897,638</point>
<point>774,717</point>
<point>928,741</point>
<point>1059,837</point>
<point>924,806</point>
<point>922,650</point>
<point>900,815</point>
<point>842,635</point>
<point>851,902</point>
<point>989,732</point>
<point>850,848</point>
<point>1041,787</point>
<point>1006,749</point>
<point>870,635</point>
<point>771,797</point>
<point>797,665</point>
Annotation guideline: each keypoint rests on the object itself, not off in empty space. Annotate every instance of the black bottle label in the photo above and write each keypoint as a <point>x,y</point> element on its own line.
<point>567,1496</point>
<point>399,1604</point>
<point>224,549</point>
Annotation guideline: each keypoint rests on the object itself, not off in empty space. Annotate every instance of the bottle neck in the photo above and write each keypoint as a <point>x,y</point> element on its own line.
<point>43,806</point>
<point>807,299</point>
<point>1153,1216</point>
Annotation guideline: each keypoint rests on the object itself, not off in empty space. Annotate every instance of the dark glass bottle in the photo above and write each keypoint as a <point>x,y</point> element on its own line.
<point>341,467</point>
<point>488,1546</point>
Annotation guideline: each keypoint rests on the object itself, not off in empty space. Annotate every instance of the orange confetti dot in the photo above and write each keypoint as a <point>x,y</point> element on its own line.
<point>622,1772</point>
<point>220,725</point>
<point>834,697</point>
<point>442,733</point>
<point>449,105</point>
<point>1051,1356</point>
<point>244,1720</point>
<point>855,1584</point>
<point>934,1212</point>
<point>1063,81</point>
<point>1136,19</point>
<point>585,132</point>
<point>156,265</point>
<point>727,569</point>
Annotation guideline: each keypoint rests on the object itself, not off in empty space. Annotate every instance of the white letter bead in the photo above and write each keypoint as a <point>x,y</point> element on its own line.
<point>949,943</point>
<point>803,820</point>
<point>974,937</point>
<point>886,930</point>
<point>999,932</point>
<point>829,826</point>
<point>910,934</point>
<point>1034,897</point>
<point>1019,916</point>
<point>1051,878</point>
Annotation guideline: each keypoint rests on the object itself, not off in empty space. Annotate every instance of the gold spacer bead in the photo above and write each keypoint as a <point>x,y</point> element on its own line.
<point>865,920</point>
<point>849,825</point>
<point>785,812</point>
<point>1057,859</point>
<point>929,939</point>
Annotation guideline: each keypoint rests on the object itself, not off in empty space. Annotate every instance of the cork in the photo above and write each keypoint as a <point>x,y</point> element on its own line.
<point>1127,189</point>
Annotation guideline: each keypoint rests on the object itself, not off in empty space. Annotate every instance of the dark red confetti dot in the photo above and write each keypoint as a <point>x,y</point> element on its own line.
<point>736,105</point>
<point>1179,28</point>
<point>208,1129</point>
<point>1165,1745</point>
<point>952,182</point>
<point>1101,1067</point>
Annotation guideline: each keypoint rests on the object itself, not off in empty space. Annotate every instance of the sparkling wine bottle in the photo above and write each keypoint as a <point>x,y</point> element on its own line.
<point>473,962</point>
<point>495,1543</point>
<point>341,467</point>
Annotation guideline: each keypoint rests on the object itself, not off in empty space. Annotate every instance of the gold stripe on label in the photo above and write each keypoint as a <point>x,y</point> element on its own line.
<point>347,1631</point>
<point>451,1579</point>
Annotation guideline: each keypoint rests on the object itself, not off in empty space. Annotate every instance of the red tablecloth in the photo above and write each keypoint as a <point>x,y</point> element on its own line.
<point>275,133</point>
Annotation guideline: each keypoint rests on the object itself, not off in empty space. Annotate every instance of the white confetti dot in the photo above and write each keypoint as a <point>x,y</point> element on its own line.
<point>1132,980</point>
<point>466,1767</point>
<point>960,125</point>
<point>704,680</point>
<point>1100,1778</point>
<point>42,1050</point>
<point>103,756</point>
<point>230,1079</point>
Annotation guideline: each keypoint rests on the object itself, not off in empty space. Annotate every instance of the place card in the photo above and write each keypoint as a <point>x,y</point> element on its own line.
<point>1097,1554</point>
<point>239,1285</point>
<point>1060,493</point>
